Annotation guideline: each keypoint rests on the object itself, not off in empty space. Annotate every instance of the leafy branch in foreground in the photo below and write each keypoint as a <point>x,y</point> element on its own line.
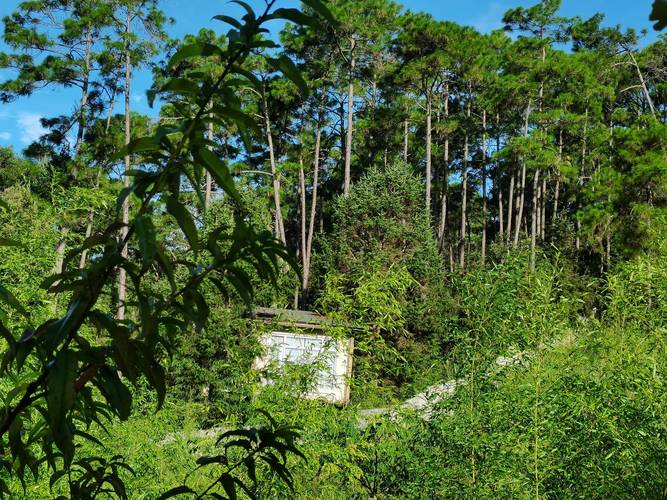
<point>71,373</point>
<point>270,444</point>
<point>659,14</point>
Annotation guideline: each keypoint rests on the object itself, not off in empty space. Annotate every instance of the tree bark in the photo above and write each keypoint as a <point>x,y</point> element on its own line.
<point>510,207</point>
<point>522,192</point>
<point>520,204</point>
<point>428,153</point>
<point>608,248</point>
<point>208,182</point>
<point>543,203</point>
<point>497,186</point>
<point>484,207</point>
<point>91,213</point>
<point>125,217</point>
<point>84,97</point>
<point>584,146</point>
<point>350,120</point>
<point>554,216</point>
<point>536,211</point>
<point>406,139</point>
<point>302,213</point>
<point>642,81</point>
<point>280,227</point>
<point>445,192</point>
<point>313,208</point>
<point>61,246</point>
<point>464,199</point>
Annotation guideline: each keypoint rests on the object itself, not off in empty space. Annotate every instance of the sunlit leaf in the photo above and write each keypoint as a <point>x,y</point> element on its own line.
<point>146,236</point>
<point>199,49</point>
<point>285,65</point>
<point>185,222</point>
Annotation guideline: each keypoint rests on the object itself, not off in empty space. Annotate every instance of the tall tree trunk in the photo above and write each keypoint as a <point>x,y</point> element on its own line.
<point>642,81</point>
<point>584,146</point>
<point>302,213</point>
<point>543,203</point>
<point>464,198</point>
<point>444,201</point>
<point>510,207</point>
<point>60,250</point>
<point>445,191</point>
<point>91,213</point>
<point>608,247</point>
<point>350,120</point>
<point>520,204</point>
<point>522,193</point>
<point>497,186</point>
<point>125,217</point>
<point>554,216</point>
<point>85,92</point>
<point>428,153</point>
<point>61,246</point>
<point>538,211</point>
<point>313,207</point>
<point>208,182</point>
<point>406,139</point>
<point>484,207</point>
<point>280,227</point>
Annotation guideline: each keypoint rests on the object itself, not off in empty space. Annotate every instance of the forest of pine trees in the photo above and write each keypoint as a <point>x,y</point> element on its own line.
<point>485,213</point>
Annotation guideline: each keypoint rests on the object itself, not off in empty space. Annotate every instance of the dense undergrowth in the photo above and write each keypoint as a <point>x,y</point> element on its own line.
<point>578,411</point>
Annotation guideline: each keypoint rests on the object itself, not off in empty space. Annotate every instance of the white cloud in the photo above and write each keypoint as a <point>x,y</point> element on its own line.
<point>137,98</point>
<point>5,136</point>
<point>30,127</point>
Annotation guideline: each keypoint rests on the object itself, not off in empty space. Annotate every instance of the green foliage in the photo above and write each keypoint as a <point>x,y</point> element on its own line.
<point>381,271</point>
<point>545,364</point>
<point>637,293</point>
<point>74,371</point>
<point>508,306</point>
<point>383,224</point>
<point>24,213</point>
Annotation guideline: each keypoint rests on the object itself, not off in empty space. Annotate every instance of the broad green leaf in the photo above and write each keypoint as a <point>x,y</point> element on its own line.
<point>7,297</point>
<point>181,86</point>
<point>185,222</point>
<point>322,10</point>
<point>199,49</point>
<point>659,14</point>
<point>88,437</point>
<point>256,83</point>
<point>250,14</point>
<point>61,393</point>
<point>241,283</point>
<point>285,65</point>
<point>178,490</point>
<point>5,242</point>
<point>240,119</point>
<point>157,378</point>
<point>296,16</point>
<point>146,235</point>
<point>228,20</point>
<point>166,265</point>
<point>219,171</point>
<point>229,486</point>
<point>138,145</point>
<point>114,391</point>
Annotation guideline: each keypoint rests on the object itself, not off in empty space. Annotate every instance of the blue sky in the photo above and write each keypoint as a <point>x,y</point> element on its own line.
<point>19,121</point>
